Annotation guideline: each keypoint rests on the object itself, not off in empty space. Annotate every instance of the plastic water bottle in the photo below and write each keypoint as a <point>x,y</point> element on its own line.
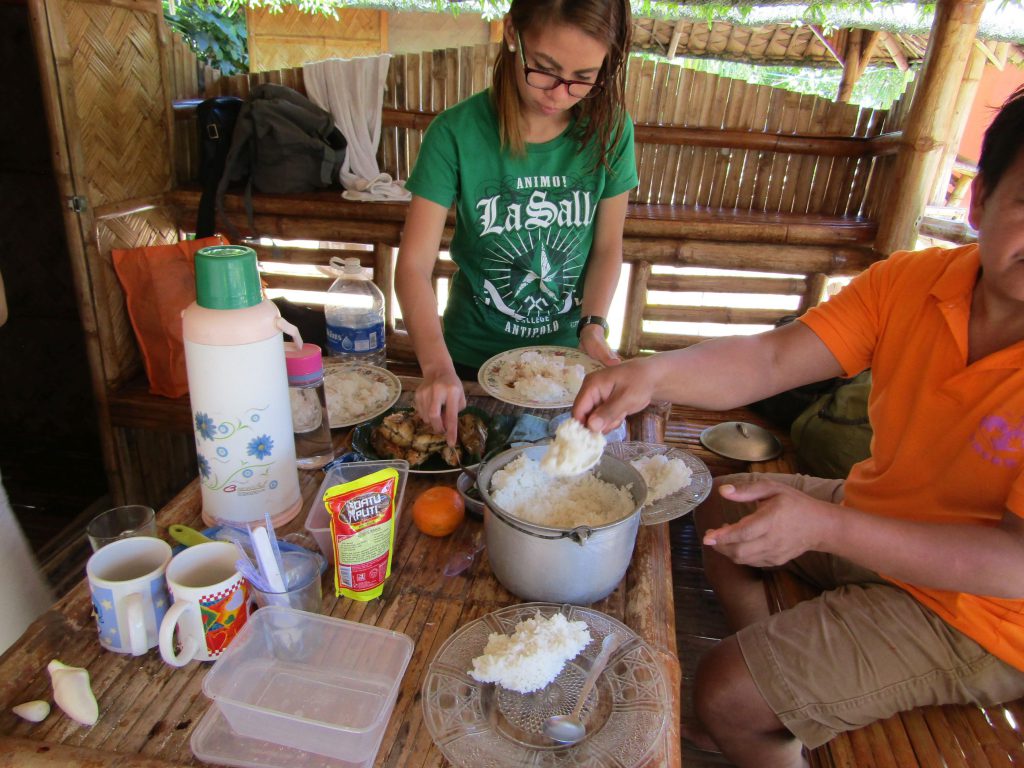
<point>354,309</point>
<point>238,387</point>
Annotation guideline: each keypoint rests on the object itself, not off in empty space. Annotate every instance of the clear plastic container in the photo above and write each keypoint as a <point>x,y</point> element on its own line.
<point>317,521</point>
<point>310,682</point>
<point>310,421</point>
<point>354,311</point>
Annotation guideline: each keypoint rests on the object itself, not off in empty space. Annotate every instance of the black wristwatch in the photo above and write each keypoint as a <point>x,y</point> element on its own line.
<point>592,320</point>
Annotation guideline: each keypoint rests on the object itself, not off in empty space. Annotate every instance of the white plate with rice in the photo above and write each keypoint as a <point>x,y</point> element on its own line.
<point>482,725</point>
<point>357,393</point>
<point>536,377</point>
<point>686,478</point>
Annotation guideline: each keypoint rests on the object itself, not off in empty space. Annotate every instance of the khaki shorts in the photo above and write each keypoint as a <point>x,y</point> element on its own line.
<point>861,651</point>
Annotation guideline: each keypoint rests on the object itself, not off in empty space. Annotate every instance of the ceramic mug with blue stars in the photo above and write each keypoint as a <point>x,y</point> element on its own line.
<point>129,592</point>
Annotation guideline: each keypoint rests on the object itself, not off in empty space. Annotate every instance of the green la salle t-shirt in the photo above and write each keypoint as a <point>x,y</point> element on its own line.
<point>523,228</point>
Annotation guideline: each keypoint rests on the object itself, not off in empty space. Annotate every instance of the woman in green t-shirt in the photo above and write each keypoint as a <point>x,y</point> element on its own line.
<point>539,167</point>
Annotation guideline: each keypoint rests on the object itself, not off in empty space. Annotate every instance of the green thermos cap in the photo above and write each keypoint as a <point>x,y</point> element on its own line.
<point>227,277</point>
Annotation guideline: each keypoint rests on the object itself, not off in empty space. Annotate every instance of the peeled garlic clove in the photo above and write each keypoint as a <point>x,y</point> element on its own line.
<point>33,711</point>
<point>72,692</point>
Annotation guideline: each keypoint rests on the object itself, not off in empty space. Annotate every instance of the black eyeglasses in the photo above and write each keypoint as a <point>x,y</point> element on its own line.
<point>545,81</point>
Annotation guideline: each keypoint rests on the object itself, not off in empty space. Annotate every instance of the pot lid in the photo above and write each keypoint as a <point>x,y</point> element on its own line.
<point>741,440</point>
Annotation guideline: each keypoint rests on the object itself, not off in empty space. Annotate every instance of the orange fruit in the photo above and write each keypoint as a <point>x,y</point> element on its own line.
<point>438,511</point>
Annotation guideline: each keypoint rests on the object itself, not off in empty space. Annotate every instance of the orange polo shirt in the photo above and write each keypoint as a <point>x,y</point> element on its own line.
<point>948,437</point>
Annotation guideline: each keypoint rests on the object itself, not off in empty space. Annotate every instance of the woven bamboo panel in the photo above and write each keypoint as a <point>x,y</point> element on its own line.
<point>292,38</point>
<point>121,101</point>
<point>155,226</point>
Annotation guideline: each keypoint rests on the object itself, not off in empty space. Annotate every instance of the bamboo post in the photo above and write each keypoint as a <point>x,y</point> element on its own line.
<point>860,48</point>
<point>951,41</point>
<point>958,124</point>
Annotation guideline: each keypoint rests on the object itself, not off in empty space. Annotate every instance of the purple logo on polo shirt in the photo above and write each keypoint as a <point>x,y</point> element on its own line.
<point>999,440</point>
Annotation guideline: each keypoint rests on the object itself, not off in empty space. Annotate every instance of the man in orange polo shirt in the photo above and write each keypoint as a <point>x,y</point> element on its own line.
<point>921,550</point>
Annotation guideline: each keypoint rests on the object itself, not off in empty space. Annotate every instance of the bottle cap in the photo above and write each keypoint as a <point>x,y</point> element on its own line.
<point>349,265</point>
<point>305,365</point>
<point>227,277</point>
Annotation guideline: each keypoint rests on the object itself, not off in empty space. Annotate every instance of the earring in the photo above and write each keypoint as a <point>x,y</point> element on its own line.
<point>511,48</point>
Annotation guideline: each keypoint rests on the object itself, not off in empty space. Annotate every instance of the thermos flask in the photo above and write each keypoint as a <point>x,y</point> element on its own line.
<point>238,387</point>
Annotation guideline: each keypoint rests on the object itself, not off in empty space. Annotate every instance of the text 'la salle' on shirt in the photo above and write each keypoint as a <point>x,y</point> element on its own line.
<point>524,227</point>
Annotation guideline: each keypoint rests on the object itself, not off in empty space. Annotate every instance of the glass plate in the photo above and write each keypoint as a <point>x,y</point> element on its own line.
<point>368,374</point>
<point>479,725</point>
<point>492,375</point>
<point>675,504</point>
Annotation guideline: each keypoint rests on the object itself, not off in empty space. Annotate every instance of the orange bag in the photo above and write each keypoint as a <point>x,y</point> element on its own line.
<point>159,282</point>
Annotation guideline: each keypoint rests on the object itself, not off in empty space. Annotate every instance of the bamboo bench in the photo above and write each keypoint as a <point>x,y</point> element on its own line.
<point>928,737</point>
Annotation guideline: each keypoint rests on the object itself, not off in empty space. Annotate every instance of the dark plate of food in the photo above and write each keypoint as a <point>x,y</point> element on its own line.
<point>399,433</point>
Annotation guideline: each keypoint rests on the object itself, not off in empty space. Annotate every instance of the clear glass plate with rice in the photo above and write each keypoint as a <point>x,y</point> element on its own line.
<point>677,481</point>
<point>536,377</point>
<point>356,393</point>
<point>482,725</point>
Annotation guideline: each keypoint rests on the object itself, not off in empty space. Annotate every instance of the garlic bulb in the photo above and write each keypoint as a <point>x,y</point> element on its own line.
<point>33,711</point>
<point>72,692</point>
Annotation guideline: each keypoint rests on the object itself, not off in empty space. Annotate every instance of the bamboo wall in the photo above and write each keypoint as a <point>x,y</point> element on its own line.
<point>747,178</point>
<point>660,93</point>
<point>289,37</point>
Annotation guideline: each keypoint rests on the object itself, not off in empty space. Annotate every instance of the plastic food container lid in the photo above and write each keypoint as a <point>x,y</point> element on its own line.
<point>213,741</point>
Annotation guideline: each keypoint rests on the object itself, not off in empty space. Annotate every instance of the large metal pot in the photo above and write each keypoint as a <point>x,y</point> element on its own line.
<point>579,565</point>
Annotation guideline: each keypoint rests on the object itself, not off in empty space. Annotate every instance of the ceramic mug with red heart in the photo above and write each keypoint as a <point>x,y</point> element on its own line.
<point>211,603</point>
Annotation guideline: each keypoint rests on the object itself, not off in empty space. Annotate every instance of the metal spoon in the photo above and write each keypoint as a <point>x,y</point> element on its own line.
<point>569,729</point>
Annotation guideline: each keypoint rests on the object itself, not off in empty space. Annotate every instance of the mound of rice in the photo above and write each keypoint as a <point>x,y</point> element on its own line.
<point>306,411</point>
<point>574,450</point>
<point>664,476</point>
<point>533,655</point>
<point>351,395</point>
<point>528,493</point>
<point>543,377</point>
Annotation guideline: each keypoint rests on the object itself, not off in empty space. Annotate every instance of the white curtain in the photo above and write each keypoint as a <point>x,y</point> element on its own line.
<point>352,90</point>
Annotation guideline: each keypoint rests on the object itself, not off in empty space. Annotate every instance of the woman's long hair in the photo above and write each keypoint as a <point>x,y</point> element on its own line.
<point>599,118</point>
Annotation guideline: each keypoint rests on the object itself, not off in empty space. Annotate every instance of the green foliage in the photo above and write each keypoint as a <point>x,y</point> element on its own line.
<point>878,88</point>
<point>214,32</point>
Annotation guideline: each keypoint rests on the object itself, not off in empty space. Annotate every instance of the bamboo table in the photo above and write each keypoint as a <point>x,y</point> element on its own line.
<point>148,709</point>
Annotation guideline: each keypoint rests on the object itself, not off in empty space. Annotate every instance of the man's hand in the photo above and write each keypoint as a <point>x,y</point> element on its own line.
<point>787,523</point>
<point>609,395</point>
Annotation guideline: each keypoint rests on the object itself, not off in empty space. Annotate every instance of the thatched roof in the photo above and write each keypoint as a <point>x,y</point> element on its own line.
<point>769,31</point>
<point>787,44</point>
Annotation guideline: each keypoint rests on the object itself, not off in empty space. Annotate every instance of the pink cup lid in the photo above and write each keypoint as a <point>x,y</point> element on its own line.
<point>303,365</point>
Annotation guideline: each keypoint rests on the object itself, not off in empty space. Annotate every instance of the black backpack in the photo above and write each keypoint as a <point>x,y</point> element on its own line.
<point>215,122</point>
<point>283,143</point>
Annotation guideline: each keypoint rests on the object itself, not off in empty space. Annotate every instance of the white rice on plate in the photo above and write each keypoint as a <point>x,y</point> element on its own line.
<point>351,395</point>
<point>543,377</point>
<point>527,492</point>
<point>664,476</point>
<point>532,656</point>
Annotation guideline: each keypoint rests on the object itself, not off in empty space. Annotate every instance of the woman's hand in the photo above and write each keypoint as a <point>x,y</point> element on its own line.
<point>594,344</point>
<point>439,398</point>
